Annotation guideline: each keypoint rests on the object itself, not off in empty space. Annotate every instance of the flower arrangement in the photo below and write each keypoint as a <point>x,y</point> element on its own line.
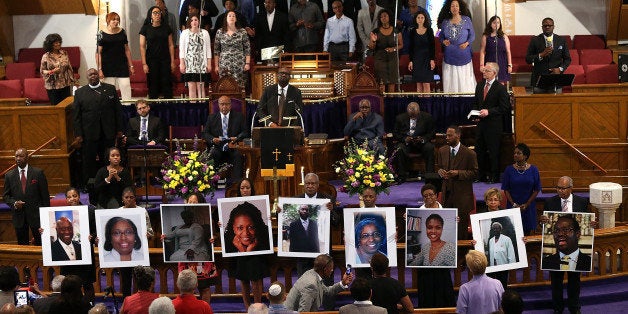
<point>183,175</point>
<point>362,168</point>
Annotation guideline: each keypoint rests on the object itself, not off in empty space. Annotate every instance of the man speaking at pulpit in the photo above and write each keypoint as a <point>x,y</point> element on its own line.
<point>281,101</point>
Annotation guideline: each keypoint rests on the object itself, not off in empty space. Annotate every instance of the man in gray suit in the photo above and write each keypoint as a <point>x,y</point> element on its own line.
<point>43,305</point>
<point>307,293</point>
<point>361,293</point>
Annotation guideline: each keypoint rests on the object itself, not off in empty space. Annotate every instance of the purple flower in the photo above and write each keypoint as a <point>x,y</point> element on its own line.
<point>355,184</point>
<point>378,183</point>
<point>350,172</point>
<point>184,189</point>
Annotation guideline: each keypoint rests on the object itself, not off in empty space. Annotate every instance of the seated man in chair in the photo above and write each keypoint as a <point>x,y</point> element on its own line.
<point>366,125</point>
<point>222,130</point>
<point>414,131</point>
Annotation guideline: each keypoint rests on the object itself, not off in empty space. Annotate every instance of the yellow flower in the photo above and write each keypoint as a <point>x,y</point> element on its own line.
<point>372,184</point>
<point>357,174</point>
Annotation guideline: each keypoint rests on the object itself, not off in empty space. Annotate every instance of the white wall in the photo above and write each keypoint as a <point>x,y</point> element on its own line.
<point>570,17</point>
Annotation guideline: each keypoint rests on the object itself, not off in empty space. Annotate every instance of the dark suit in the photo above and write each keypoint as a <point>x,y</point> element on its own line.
<point>558,58</point>
<point>36,196</point>
<point>97,119</point>
<point>458,191</point>
<point>553,262</point>
<point>579,205</point>
<point>155,130</point>
<point>302,240</point>
<point>58,253</point>
<point>42,305</point>
<point>269,104</point>
<point>276,36</point>
<point>425,129</point>
<point>236,127</point>
<point>490,128</point>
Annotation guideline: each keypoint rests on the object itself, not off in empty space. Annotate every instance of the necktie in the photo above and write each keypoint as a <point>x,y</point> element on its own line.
<point>225,123</point>
<point>144,129</point>
<point>564,263</point>
<point>282,104</point>
<point>23,180</point>
<point>412,127</point>
<point>453,153</point>
<point>565,207</point>
<point>487,86</point>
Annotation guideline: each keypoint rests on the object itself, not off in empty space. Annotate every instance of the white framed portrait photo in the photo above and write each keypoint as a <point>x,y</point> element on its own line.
<point>246,227</point>
<point>122,237</point>
<point>187,230</point>
<point>65,236</point>
<point>431,235</point>
<point>304,228</point>
<point>567,242</point>
<point>369,231</point>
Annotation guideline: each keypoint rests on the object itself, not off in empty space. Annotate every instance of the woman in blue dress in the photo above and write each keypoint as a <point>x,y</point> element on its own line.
<point>422,52</point>
<point>495,47</point>
<point>456,36</point>
<point>521,183</point>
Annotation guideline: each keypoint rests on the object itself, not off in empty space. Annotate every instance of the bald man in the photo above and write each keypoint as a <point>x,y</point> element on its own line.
<point>414,131</point>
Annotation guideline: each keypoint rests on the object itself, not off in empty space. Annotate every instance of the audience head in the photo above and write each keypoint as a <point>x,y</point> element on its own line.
<point>493,198</point>
<point>422,19</point>
<point>494,24</point>
<point>430,197</point>
<point>161,305</point>
<point>337,8</point>
<point>187,281</point>
<point>92,77</point>
<point>452,135</point>
<point>246,188</point>
<point>522,152</point>
<point>153,14</point>
<point>564,185</point>
<point>413,110</point>
<point>383,18</point>
<point>7,308</point>
<point>128,197</point>
<point>276,293</point>
<point>71,289</point>
<point>360,289</point>
<point>283,76</point>
<point>369,197</point>
<point>490,71</point>
<point>192,19</point>
<point>258,308</point>
<point>99,308</point>
<point>476,261</point>
<point>548,26</point>
<point>113,156</point>
<point>224,104</point>
<point>269,5</point>
<point>230,5</point>
<point>451,8</point>
<point>512,303</point>
<point>24,309</point>
<point>365,107</point>
<point>72,196</point>
<point>56,283</point>
<point>144,277</point>
<point>324,265</point>
<point>112,16</point>
<point>196,198</point>
<point>231,19</point>
<point>311,184</point>
<point>142,107</point>
<point>9,278</point>
<point>379,264</point>
<point>21,157</point>
<point>52,42</point>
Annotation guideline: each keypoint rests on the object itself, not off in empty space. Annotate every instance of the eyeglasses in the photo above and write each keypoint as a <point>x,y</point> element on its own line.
<point>562,188</point>
<point>563,230</point>
<point>119,233</point>
<point>548,25</point>
<point>155,13</point>
<point>374,235</point>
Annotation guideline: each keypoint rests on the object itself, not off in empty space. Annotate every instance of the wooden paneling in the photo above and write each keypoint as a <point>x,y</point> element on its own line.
<point>594,123</point>
<point>7,46</point>
<point>37,7</point>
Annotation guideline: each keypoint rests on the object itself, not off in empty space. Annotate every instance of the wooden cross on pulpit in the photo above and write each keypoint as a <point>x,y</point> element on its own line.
<point>277,162</point>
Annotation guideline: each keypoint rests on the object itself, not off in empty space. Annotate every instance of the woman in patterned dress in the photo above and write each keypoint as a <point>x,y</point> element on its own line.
<point>456,36</point>
<point>233,50</point>
<point>56,70</point>
<point>195,57</point>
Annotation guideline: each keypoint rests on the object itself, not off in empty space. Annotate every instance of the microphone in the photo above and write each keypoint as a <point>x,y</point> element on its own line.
<point>264,119</point>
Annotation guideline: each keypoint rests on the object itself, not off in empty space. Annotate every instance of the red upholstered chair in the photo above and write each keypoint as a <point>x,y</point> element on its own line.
<point>20,71</point>
<point>518,49</point>
<point>596,56</point>
<point>404,60</point>
<point>186,135</point>
<point>139,87</point>
<point>601,73</point>
<point>568,40</point>
<point>56,202</point>
<point>476,66</point>
<point>578,70</point>
<point>575,56</point>
<point>589,42</point>
<point>31,55</point>
<point>178,85</point>
<point>10,89</point>
<point>35,91</point>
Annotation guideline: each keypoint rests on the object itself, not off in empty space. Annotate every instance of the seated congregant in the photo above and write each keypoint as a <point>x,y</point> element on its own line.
<point>366,125</point>
<point>145,128</point>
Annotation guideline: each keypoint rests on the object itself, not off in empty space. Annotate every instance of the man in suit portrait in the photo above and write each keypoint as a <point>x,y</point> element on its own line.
<point>64,248</point>
<point>222,131</point>
<point>457,166</point>
<point>25,191</point>
<point>566,201</point>
<point>491,99</point>
<point>548,53</point>
<point>361,293</point>
<point>281,100</point>
<point>271,27</point>
<point>145,128</point>
<point>97,122</point>
<point>308,291</point>
<point>304,232</point>
<point>414,130</point>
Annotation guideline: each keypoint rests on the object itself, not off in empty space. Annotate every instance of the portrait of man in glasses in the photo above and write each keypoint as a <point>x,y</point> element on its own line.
<point>566,232</point>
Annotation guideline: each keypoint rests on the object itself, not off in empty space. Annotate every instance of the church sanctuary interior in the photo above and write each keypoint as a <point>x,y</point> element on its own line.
<point>577,126</point>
